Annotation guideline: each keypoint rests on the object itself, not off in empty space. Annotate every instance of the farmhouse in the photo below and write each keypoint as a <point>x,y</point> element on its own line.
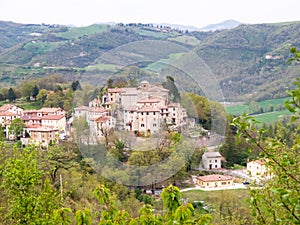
<point>211,160</point>
<point>215,181</point>
<point>257,169</point>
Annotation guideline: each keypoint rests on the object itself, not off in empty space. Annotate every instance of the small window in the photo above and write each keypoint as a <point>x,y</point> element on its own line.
<point>142,113</point>
<point>147,113</point>
<point>154,113</point>
<point>142,125</point>
<point>154,125</point>
<point>216,160</point>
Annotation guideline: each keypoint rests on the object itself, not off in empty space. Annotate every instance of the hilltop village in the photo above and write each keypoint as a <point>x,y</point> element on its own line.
<point>142,110</point>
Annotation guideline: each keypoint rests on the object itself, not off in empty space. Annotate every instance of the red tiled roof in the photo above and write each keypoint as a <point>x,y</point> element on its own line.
<point>52,117</point>
<point>33,126</point>
<point>260,162</point>
<point>26,118</point>
<point>50,110</point>
<point>102,119</point>
<point>114,90</point>
<point>215,177</point>
<point>3,113</point>
<point>6,107</point>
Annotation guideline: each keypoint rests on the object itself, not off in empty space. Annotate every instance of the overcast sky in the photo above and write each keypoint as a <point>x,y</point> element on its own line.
<point>186,12</point>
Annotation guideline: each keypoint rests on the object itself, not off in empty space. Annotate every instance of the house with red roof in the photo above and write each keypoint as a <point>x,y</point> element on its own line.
<point>215,181</point>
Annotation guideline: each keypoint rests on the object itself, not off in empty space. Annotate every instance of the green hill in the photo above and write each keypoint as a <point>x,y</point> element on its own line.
<point>248,61</point>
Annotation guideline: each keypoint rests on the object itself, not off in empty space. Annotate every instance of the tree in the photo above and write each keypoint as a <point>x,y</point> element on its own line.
<point>76,85</point>
<point>173,90</point>
<point>16,127</point>
<point>42,96</point>
<point>30,196</point>
<point>11,95</point>
<point>35,92</point>
<point>27,90</point>
<point>278,202</point>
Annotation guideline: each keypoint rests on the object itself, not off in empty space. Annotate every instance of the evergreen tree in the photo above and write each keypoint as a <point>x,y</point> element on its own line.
<point>35,92</point>
<point>11,95</point>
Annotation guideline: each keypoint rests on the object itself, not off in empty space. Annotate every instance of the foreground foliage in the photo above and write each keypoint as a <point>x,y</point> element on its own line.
<point>278,202</point>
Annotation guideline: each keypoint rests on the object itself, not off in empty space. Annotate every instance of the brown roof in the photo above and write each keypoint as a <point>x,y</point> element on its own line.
<point>214,177</point>
<point>26,118</point>
<point>102,119</point>
<point>52,117</point>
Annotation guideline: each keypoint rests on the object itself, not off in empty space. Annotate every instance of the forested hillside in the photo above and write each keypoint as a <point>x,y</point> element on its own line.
<point>248,61</point>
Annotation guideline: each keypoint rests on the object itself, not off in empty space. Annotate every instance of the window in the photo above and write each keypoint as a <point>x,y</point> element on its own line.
<point>142,125</point>
<point>216,160</point>
<point>154,125</point>
<point>154,113</point>
<point>223,183</point>
<point>173,109</point>
<point>142,113</point>
<point>111,99</point>
<point>147,113</point>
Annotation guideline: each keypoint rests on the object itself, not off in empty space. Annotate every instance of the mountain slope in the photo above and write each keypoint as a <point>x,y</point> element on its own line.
<point>248,61</point>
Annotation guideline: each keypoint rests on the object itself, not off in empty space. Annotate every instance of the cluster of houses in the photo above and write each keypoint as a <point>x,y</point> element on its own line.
<point>142,110</point>
<point>211,161</point>
<point>42,126</point>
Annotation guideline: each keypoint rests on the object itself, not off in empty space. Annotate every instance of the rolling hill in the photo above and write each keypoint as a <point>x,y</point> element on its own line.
<point>248,61</point>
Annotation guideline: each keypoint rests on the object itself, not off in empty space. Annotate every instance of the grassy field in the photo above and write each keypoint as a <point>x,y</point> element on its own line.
<point>188,40</point>
<point>103,67</point>
<point>267,117</point>
<point>161,64</point>
<point>76,32</point>
<point>237,109</point>
<point>271,116</point>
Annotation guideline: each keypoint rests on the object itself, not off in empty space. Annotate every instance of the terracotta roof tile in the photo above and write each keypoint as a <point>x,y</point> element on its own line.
<point>214,177</point>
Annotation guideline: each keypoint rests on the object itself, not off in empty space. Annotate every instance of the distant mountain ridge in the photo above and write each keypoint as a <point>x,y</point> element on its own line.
<point>227,24</point>
<point>248,60</point>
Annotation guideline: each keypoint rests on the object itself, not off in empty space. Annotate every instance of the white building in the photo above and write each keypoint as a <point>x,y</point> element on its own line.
<point>257,169</point>
<point>211,160</point>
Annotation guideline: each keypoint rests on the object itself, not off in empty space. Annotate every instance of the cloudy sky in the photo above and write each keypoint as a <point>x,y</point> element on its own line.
<point>186,12</point>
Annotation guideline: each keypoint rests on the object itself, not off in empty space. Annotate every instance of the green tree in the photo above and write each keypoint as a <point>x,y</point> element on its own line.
<point>11,95</point>
<point>27,90</point>
<point>30,197</point>
<point>278,202</point>
<point>35,91</point>
<point>42,96</point>
<point>16,127</point>
<point>173,90</point>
